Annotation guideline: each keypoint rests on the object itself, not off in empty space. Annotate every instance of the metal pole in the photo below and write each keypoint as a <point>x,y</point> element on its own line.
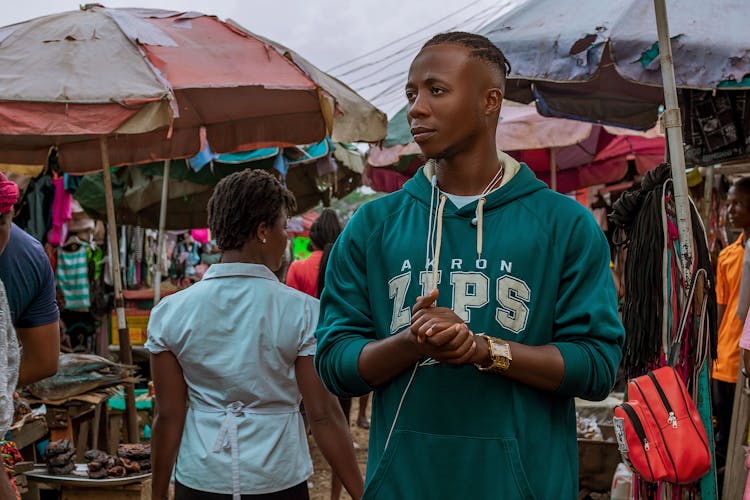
<point>162,224</point>
<point>708,195</point>
<point>552,169</point>
<point>673,125</point>
<point>126,354</point>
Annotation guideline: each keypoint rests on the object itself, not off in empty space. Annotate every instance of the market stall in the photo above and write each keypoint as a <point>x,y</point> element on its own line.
<point>602,63</point>
<point>148,102</point>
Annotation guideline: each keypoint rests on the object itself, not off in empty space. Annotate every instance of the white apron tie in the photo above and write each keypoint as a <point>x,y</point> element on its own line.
<point>228,438</point>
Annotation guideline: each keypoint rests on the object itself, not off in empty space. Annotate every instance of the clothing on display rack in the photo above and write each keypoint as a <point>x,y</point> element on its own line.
<point>73,275</point>
<point>61,213</point>
<point>36,208</point>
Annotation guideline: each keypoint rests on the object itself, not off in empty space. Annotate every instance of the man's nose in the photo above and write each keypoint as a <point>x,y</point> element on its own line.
<point>418,108</point>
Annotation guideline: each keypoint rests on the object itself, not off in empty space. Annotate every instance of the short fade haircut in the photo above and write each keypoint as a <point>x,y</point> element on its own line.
<point>241,201</point>
<point>479,47</point>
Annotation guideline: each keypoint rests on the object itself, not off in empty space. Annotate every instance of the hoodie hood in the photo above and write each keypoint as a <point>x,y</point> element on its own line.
<point>519,181</point>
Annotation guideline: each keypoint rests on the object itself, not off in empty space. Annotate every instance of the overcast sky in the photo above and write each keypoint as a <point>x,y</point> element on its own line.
<point>326,32</point>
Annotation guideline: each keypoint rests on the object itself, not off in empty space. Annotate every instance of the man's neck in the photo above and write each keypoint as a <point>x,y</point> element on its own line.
<point>468,173</point>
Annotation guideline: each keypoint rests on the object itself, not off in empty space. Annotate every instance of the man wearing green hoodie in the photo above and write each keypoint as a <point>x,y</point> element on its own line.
<point>475,302</point>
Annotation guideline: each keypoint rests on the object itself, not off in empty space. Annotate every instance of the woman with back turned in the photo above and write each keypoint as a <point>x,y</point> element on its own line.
<point>237,349</point>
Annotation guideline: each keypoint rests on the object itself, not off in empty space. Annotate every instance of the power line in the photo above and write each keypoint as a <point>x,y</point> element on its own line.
<point>413,44</point>
<point>505,6</point>
<point>401,38</point>
<point>402,54</point>
<point>391,93</point>
<point>399,75</point>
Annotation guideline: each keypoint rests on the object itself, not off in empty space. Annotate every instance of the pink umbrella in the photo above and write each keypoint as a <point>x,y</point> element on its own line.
<point>604,165</point>
<point>566,154</point>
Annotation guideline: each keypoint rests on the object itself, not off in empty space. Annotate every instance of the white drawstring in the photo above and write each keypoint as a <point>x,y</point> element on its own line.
<point>430,224</point>
<point>400,404</point>
<point>480,217</point>
<point>479,214</point>
<point>438,241</point>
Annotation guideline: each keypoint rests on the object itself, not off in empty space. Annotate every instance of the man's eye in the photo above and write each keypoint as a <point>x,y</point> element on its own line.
<point>410,95</point>
<point>437,90</point>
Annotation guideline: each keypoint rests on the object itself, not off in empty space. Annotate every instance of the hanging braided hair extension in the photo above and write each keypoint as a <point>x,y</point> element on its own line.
<point>636,216</point>
<point>639,238</point>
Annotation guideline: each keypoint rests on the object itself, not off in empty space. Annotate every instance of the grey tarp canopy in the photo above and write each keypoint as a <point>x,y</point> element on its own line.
<point>600,60</point>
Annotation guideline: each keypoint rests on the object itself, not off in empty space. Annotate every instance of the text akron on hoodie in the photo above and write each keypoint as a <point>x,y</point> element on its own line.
<point>542,277</point>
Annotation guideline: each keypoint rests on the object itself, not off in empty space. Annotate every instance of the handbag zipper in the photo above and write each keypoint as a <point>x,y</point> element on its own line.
<point>671,418</point>
<point>639,431</point>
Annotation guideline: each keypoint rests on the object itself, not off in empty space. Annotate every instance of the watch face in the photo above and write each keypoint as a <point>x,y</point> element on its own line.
<point>500,350</point>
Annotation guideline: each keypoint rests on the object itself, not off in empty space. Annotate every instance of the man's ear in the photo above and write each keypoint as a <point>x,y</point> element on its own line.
<point>493,101</point>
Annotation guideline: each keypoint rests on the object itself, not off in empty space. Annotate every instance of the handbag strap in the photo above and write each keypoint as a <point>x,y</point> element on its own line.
<point>675,346</point>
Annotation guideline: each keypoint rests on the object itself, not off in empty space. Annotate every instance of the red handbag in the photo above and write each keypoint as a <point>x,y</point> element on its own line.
<point>659,431</point>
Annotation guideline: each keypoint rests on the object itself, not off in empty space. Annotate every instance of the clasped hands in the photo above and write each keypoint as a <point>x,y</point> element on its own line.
<point>440,334</point>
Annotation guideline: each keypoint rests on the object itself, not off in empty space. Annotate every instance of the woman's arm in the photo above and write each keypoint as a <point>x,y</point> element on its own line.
<point>329,426</point>
<point>171,404</point>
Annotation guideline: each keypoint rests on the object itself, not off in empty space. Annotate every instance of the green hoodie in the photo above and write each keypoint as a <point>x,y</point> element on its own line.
<point>543,277</point>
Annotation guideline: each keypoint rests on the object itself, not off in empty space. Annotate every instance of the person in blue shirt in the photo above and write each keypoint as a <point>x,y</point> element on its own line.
<point>30,284</point>
<point>236,349</point>
<point>8,342</point>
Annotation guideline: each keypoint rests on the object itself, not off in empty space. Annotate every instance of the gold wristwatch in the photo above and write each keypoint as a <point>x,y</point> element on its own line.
<point>500,356</point>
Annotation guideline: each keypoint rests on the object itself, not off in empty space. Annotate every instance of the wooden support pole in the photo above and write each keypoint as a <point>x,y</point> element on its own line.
<point>126,353</point>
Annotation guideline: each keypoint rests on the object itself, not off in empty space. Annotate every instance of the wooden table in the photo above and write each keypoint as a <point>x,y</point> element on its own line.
<point>78,487</point>
<point>83,419</point>
<point>135,491</point>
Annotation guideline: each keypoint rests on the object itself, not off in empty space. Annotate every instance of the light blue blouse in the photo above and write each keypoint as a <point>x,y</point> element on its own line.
<point>237,334</point>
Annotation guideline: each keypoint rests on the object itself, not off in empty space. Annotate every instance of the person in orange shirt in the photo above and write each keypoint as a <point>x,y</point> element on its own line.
<point>303,274</point>
<point>728,277</point>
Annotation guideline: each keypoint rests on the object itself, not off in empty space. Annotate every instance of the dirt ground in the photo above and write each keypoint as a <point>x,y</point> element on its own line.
<point>320,482</point>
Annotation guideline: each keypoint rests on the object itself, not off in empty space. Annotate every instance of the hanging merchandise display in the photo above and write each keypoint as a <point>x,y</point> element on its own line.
<point>663,326</point>
<point>716,125</point>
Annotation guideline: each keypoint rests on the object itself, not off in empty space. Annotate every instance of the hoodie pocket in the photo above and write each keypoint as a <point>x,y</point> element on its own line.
<point>417,465</point>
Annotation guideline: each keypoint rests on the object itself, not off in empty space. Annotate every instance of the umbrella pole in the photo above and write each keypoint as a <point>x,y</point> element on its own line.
<point>162,224</point>
<point>126,354</point>
<point>708,195</point>
<point>552,169</point>
<point>673,124</point>
<point>672,121</point>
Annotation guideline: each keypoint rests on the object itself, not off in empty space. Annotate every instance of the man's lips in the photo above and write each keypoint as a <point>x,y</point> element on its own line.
<point>421,134</point>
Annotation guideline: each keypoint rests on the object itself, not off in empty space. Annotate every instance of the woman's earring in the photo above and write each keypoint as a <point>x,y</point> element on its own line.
<point>264,241</point>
